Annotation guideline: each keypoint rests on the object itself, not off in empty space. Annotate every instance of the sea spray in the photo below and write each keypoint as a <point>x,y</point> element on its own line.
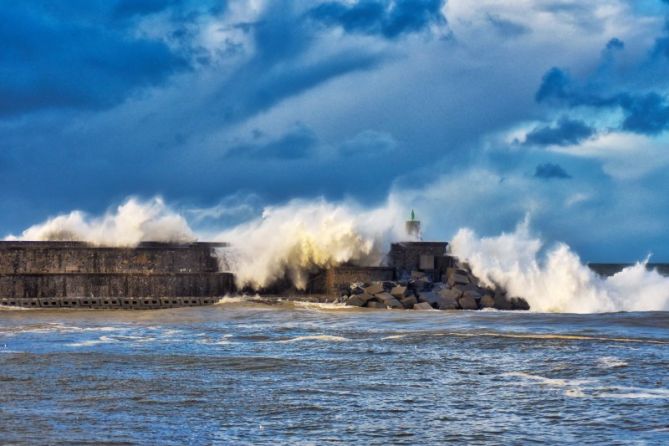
<point>302,237</point>
<point>555,280</point>
<point>132,222</point>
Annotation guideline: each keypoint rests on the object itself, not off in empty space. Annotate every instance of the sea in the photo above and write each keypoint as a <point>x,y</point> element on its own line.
<point>249,371</point>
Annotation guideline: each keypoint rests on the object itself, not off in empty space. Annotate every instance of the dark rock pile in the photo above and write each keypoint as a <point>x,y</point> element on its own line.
<point>460,290</point>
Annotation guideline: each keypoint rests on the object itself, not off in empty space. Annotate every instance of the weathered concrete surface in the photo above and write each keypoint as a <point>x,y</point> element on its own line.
<point>72,274</point>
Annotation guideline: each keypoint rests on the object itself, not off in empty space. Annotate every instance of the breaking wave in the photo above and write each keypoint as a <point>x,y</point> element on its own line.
<point>293,240</point>
<point>555,280</point>
<point>132,222</point>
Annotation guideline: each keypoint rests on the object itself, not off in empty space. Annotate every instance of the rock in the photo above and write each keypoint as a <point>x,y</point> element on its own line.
<point>429,297</point>
<point>389,301</point>
<point>409,302</point>
<point>474,294</point>
<point>518,303</point>
<point>421,285</point>
<point>450,293</point>
<point>356,289</point>
<point>458,279</point>
<point>359,300</point>
<point>387,285</point>
<point>375,304</point>
<point>468,303</point>
<point>501,301</point>
<point>375,288</point>
<point>448,303</point>
<point>399,292</point>
<point>487,301</point>
<point>422,306</point>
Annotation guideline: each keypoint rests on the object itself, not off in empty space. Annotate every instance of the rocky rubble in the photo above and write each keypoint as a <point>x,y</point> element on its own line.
<point>458,290</point>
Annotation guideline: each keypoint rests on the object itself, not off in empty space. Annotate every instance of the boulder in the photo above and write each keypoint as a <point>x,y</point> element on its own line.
<point>374,288</point>
<point>429,297</point>
<point>356,289</point>
<point>388,285</point>
<point>399,292</point>
<point>448,303</point>
<point>458,279</point>
<point>409,302</point>
<point>389,301</point>
<point>422,306</point>
<point>487,301</point>
<point>501,301</point>
<point>359,300</point>
<point>468,303</point>
<point>450,293</point>
<point>518,303</point>
<point>421,285</point>
<point>375,304</point>
<point>474,294</point>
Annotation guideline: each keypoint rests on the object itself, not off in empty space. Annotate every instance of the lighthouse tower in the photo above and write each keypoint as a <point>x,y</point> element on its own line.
<point>413,227</point>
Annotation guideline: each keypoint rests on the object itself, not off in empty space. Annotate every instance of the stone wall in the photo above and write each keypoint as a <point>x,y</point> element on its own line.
<point>54,274</point>
<point>417,256</point>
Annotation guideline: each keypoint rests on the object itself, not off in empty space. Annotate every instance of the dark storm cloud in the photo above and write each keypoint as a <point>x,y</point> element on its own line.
<point>566,132</point>
<point>50,60</point>
<point>645,113</point>
<point>295,144</point>
<point>389,19</point>
<point>551,171</point>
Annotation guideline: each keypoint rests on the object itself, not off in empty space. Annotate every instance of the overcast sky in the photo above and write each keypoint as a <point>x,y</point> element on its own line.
<point>475,113</point>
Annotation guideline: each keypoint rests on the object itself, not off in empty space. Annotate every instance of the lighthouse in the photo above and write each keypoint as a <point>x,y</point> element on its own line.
<point>413,227</point>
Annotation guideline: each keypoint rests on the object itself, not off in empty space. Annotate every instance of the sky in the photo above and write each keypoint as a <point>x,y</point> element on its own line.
<point>476,114</point>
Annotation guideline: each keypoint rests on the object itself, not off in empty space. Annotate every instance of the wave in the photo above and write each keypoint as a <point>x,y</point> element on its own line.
<point>555,279</point>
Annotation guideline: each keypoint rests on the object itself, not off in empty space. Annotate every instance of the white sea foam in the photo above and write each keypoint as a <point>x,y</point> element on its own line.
<point>555,280</point>
<point>327,338</point>
<point>132,222</point>
<point>301,237</point>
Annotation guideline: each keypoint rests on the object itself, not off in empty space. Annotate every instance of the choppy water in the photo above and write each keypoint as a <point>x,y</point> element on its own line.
<point>250,373</point>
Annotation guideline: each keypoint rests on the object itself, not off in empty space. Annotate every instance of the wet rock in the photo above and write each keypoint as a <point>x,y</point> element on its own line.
<point>388,285</point>
<point>487,301</point>
<point>399,292</point>
<point>501,301</point>
<point>518,303</point>
<point>376,304</point>
<point>429,297</point>
<point>355,289</point>
<point>359,300</point>
<point>374,288</point>
<point>474,294</point>
<point>468,303</point>
<point>448,303</point>
<point>409,302</point>
<point>422,306</point>
<point>450,293</point>
<point>458,279</point>
<point>389,301</point>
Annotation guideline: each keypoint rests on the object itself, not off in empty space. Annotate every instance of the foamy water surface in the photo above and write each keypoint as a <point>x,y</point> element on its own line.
<point>245,372</point>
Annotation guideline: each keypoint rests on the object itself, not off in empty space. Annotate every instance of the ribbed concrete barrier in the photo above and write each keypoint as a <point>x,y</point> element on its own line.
<point>77,275</point>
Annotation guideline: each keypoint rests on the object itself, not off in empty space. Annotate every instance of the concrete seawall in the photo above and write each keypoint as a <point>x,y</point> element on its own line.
<point>73,274</point>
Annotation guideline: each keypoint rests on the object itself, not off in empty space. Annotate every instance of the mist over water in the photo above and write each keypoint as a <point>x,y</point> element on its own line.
<point>301,236</point>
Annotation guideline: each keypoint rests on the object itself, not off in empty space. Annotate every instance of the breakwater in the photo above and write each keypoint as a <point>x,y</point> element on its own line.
<point>75,274</point>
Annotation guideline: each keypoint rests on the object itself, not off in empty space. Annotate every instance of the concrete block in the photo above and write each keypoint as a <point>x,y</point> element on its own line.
<point>422,306</point>
<point>468,303</point>
<point>409,302</point>
<point>487,301</point>
<point>389,301</point>
<point>399,292</point>
<point>374,288</point>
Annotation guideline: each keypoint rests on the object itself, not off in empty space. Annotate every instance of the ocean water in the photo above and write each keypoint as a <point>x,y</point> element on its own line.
<point>247,372</point>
